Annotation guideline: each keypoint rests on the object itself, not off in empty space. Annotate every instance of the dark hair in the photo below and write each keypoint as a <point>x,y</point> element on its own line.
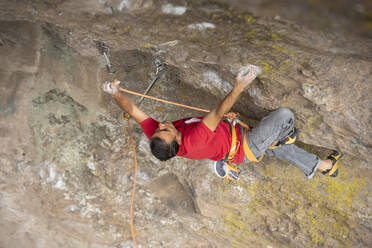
<point>162,150</point>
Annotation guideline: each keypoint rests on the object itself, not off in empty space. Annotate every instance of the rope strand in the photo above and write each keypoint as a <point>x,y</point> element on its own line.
<point>175,103</point>
<point>162,100</point>
<point>134,185</point>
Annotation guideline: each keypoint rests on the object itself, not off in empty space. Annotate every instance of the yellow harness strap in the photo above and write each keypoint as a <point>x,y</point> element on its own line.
<point>234,143</point>
<point>247,151</point>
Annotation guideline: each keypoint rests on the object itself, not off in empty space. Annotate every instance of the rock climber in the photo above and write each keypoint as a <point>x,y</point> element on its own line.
<point>210,137</point>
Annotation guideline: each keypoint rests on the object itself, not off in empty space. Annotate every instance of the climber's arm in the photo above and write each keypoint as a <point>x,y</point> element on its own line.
<point>212,119</point>
<point>124,101</point>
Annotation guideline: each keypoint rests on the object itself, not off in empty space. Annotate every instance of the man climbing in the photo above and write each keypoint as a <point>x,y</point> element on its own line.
<point>210,137</point>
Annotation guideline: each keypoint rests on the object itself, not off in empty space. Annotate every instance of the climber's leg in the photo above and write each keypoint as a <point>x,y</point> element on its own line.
<point>307,162</point>
<point>273,127</point>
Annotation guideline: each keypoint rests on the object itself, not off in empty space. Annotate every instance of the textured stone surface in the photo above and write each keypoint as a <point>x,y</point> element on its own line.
<point>66,159</point>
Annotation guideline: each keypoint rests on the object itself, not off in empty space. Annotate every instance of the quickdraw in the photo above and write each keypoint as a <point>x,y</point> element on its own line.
<point>160,68</point>
<point>104,50</point>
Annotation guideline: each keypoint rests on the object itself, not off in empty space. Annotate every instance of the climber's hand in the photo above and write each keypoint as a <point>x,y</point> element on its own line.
<point>111,88</point>
<point>246,76</point>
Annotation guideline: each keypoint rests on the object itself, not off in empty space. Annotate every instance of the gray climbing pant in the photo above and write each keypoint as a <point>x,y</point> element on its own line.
<point>274,127</point>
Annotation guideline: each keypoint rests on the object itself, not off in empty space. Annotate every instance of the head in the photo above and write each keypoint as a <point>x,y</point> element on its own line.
<point>166,141</point>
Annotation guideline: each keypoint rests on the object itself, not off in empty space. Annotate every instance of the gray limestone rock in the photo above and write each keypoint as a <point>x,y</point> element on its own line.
<point>66,161</point>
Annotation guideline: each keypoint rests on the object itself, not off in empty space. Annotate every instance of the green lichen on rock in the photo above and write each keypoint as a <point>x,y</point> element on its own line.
<point>320,208</point>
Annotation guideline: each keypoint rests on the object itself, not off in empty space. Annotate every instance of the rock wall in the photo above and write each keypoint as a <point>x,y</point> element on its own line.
<point>66,160</point>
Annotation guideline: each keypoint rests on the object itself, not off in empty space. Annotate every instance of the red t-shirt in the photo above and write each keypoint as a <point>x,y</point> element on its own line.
<point>198,141</point>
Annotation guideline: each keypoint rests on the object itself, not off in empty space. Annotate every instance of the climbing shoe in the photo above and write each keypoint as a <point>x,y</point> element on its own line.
<point>334,157</point>
<point>224,169</point>
<point>290,139</point>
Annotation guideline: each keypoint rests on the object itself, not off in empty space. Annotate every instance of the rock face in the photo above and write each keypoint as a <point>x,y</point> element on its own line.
<point>66,159</point>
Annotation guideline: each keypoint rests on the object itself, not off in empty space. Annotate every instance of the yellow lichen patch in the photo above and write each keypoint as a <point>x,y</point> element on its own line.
<point>235,224</point>
<point>236,217</point>
<point>268,69</point>
<point>321,207</point>
<point>146,45</point>
<point>368,17</point>
<point>368,25</point>
<point>342,192</point>
<point>279,49</point>
<point>269,171</point>
<point>311,124</point>
<point>127,28</point>
<point>250,35</point>
<point>275,37</point>
<point>331,206</point>
<point>249,19</point>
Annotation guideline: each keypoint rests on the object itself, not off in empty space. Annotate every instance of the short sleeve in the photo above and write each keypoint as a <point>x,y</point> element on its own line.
<point>149,126</point>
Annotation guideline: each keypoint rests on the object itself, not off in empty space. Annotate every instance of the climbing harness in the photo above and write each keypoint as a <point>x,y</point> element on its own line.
<point>223,168</point>
<point>233,118</point>
<point>247,150</point>
<point>104,50</point>
<point>235,144</point>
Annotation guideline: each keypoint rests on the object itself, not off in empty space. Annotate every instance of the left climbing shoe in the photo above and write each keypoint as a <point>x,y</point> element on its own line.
<point>334,157</point>
<point>289,139</point>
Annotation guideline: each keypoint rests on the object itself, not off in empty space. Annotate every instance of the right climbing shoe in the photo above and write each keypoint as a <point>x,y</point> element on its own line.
<point>334,157</point>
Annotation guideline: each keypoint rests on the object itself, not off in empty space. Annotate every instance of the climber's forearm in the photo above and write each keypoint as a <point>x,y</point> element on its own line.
<point>212,119</point>
<point>228,102</point>
<point>243,80</point>
<point>128,106</point>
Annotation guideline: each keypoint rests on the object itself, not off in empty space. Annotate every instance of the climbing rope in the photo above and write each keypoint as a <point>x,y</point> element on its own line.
<point>229,115</point>
<point>134,181</point>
